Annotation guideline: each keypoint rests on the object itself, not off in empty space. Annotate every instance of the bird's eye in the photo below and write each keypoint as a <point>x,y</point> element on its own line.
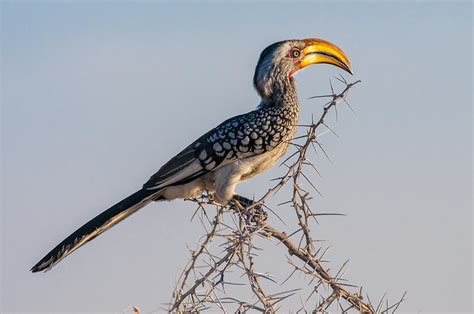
<point>295,53</point>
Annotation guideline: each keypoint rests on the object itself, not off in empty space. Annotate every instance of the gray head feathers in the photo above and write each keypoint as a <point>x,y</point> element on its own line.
<point>272,74</point>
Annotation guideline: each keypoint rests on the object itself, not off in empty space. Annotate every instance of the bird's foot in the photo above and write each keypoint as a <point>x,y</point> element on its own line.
<point>254,214</point>
<point>206,198</point>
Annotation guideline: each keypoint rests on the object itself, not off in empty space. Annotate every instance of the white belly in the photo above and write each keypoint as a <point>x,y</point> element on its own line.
<point>223,181</point>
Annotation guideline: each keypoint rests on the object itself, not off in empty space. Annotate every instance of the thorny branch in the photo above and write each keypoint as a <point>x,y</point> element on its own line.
<point>214,272</point>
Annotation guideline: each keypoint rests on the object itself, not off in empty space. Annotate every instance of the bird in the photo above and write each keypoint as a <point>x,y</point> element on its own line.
<point>236,150</point>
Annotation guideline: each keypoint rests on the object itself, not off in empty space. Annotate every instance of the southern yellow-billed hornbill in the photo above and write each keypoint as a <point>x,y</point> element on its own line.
<point>237,149</point>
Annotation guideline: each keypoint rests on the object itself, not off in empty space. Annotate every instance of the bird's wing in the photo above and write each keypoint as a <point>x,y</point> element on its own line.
<point>239,137</point>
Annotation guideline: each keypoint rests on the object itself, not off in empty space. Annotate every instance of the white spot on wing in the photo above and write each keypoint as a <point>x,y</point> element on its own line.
<point>203,155</point>
<point>217,147</point>
<point>211,165</point>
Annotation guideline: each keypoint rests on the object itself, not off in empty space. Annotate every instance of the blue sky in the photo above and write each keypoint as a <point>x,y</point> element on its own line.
<point>96,96</point>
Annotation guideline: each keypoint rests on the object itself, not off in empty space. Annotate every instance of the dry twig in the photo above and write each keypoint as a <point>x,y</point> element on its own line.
<point>213,272</point>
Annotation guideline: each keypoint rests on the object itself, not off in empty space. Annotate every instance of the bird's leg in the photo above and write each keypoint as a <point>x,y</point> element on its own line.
<point>209,197</point>
<point>256,213</point>
<point>243,200</point>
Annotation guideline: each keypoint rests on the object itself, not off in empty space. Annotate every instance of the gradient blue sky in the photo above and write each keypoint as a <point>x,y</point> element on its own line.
<point>97,95</point>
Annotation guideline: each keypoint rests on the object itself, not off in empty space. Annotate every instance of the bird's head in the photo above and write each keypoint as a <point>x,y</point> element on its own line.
<point>280,61</point>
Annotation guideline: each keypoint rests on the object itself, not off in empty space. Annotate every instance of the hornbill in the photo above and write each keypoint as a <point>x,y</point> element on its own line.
<point>237,149</point>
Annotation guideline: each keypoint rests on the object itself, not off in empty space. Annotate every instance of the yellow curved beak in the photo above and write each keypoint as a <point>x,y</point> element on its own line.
<point>322,51</point>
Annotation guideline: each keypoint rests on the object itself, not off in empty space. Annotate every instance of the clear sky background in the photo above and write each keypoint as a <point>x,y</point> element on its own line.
<point>96,96</point>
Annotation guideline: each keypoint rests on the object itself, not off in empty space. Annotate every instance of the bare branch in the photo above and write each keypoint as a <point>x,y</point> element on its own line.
<point>208,280</point>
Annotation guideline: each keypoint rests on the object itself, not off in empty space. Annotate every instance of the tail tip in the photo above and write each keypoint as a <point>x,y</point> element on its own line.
<point>42,266</point>
<point>36,268</point>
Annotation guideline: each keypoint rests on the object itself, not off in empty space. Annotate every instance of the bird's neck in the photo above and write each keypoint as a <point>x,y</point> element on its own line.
<point>281,93</point>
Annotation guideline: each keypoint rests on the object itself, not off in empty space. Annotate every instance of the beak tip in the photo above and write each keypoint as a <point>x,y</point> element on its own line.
<point>349,70</point>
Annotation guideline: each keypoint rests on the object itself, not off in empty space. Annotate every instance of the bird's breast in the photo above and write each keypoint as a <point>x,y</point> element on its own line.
<point>260,163</point>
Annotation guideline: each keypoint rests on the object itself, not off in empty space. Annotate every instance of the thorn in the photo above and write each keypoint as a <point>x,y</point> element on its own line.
<point>321,96</point>
<point>332,131</point>
<point>348,105</point>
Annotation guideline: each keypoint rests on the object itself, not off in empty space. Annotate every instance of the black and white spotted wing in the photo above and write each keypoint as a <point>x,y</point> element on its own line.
<point>239,137</point>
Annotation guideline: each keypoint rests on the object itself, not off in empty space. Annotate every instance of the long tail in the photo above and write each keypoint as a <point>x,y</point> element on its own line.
<point>96,226</point>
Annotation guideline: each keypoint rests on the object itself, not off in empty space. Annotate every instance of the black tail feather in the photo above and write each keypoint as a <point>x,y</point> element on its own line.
<point>94,227</point>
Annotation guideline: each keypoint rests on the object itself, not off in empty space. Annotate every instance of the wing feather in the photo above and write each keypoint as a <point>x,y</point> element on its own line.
<point>235,138</point>
<point>185,166</point>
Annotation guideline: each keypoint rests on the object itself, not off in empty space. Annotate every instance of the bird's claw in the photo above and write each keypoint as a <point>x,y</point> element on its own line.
<point>255,214</point>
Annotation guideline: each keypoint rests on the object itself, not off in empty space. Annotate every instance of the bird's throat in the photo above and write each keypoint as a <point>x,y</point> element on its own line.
<point>281,93</point>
